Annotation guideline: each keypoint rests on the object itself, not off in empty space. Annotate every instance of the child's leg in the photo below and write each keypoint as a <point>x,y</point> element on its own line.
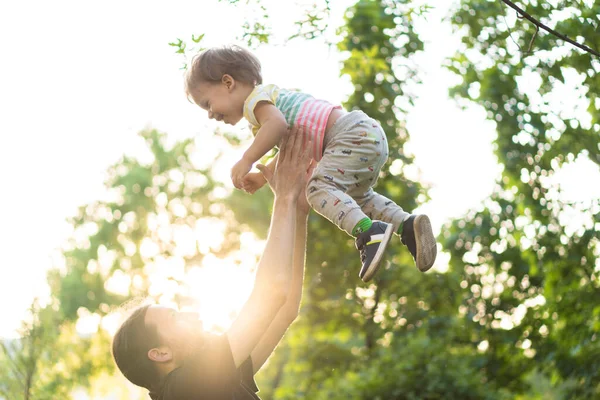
<point>326,193</point>
<point>379,207</point>
<point>370,150</point>
<point>350,164</point>
<point>349,167</point>
<point>414,230</point>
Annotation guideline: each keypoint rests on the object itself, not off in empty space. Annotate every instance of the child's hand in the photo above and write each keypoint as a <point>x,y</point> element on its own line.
<point>239,171</point>
<point>253,181</point>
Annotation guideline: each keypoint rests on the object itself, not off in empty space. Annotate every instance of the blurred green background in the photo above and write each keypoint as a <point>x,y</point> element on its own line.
<point>511,309</point>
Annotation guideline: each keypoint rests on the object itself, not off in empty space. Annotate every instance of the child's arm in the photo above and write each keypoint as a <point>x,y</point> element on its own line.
<point>273,125</point>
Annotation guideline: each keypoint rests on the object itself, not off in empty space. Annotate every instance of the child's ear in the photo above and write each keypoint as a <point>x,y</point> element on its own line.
<point>228,81</point>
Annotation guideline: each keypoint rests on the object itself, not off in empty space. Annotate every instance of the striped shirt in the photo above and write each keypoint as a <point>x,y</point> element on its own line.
<point>298,109</point>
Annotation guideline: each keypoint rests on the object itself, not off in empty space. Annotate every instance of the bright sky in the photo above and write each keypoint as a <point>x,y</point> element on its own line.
<point>78,80</point>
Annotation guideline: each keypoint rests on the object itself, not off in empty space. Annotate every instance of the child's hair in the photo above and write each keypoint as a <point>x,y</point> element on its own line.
<point>210,65</point>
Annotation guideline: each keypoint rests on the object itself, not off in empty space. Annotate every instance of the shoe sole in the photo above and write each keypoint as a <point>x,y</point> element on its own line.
<point>426,245</point>
<point>370,272</point>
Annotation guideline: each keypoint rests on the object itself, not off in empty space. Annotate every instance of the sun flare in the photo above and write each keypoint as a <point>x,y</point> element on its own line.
<point>216,288</point>
<point>220,287</point>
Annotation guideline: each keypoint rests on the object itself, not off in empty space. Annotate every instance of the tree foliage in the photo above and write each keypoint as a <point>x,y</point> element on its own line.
<point>530,269</point>
<point>515,316</point>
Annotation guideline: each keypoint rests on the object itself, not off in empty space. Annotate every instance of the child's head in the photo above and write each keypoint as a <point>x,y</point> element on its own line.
<point>220,79</point>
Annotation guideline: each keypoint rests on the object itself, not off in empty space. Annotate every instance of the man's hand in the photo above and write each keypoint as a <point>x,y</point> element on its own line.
<point>253,181</point>
<point>239,171</point>
<point>302,205</point>
<point>294,149</point>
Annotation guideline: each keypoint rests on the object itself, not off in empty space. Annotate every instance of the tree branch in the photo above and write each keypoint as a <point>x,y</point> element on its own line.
<point>13,364</point>
<point>540,25</point>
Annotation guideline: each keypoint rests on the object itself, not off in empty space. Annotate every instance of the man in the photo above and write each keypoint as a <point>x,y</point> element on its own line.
<point>168,353</point>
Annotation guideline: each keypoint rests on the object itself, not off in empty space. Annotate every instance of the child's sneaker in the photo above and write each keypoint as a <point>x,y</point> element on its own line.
<point>371,245</point>
<point>418,237</point>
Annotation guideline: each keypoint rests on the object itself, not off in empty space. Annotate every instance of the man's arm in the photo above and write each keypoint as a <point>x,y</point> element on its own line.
<point>289,312</point>
<point>274,273</point>
<point>273,277</point>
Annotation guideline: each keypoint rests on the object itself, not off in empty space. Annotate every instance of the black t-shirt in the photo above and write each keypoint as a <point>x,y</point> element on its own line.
<point>210,373</point>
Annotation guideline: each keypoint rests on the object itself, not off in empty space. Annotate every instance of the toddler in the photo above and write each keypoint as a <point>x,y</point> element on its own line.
<point>350,148</point>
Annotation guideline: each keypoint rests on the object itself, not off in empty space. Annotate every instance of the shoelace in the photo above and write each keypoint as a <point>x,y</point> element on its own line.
<point>360,243</point>
<point>363,254</point>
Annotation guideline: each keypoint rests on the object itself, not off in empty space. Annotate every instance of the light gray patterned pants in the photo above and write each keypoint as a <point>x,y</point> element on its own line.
<point>341,187</point>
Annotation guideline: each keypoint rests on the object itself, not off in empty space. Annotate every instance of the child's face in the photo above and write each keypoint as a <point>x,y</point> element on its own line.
<point>223,100</point>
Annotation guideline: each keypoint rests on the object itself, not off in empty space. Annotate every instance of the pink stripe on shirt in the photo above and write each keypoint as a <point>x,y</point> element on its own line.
<point>322,124</point>
<point>320,131</point>
<point>305,112</point>
<point>313,115</point>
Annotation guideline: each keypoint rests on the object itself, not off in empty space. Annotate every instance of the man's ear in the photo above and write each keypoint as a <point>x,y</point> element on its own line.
<point>160,354</point>
<point>228,81</point>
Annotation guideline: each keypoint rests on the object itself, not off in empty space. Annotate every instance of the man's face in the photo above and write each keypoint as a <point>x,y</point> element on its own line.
<point>180,331</point>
